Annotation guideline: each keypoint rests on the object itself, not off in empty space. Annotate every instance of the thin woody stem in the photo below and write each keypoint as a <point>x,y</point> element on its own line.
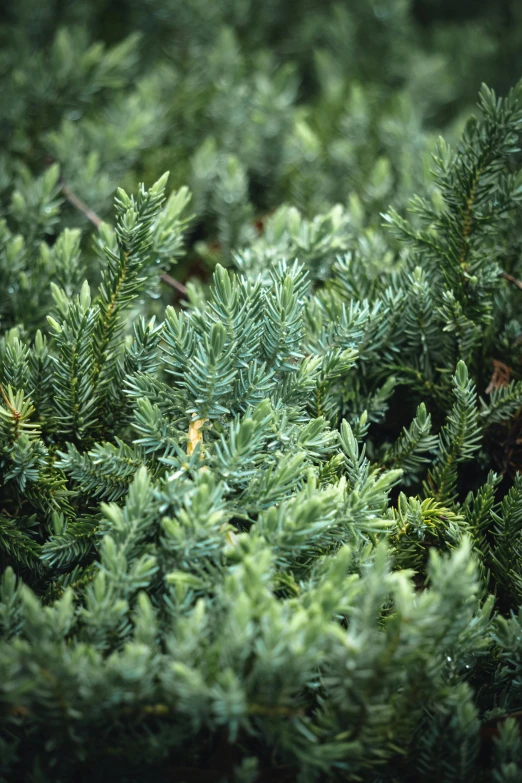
<point>511,279</point>
<point>168,280</point>
<point>81,206</point>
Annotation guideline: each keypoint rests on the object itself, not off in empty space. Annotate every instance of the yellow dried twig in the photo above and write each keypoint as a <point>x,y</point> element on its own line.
<point>195,436</point>
<point>16,414</point>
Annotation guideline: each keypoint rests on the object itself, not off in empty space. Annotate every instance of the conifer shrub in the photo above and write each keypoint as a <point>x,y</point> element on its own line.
<point>249,105</point>
<point>271,531</point>
<point>267,536</point>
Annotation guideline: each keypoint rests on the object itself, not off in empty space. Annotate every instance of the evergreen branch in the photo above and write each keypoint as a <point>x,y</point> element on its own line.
<point>17,547</point>
<point>504,402</point>
<point>96,221</point>
<point>14,420</point>
<point>506,553</point>
<point>75,401</point>
<point>410,450</point>
<point>104,472</point>
<point>71,544</point>
<point>458,440</point>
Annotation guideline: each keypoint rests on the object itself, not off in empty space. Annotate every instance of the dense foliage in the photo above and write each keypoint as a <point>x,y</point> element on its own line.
<point>273,530</point>
<point>248,104</point>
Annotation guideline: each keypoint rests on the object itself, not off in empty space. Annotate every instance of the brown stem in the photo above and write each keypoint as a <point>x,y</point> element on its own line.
<point>168,280</point>
<point>511,279</point>
<point>81,206</point>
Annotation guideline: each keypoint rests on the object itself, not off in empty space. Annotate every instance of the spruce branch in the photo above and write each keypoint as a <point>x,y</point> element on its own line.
<point>458,440</point>
<point>96,221</point>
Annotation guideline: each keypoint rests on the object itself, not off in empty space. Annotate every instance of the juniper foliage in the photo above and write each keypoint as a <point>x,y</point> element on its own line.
<point>263,535</point>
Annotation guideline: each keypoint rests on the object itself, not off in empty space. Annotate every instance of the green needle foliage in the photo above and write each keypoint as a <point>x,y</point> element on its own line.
<point>272,530</point>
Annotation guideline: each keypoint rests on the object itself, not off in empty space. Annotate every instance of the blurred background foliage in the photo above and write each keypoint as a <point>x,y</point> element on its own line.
<point>251,105</point>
